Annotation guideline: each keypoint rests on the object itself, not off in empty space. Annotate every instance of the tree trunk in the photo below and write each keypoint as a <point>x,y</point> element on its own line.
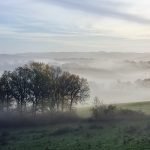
<point>71,105</point>
<point>62,104</point>
<point>7,105</point>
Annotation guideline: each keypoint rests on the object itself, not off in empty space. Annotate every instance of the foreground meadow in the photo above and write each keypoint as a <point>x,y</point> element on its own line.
<point>134,135</point>
<point>128,131</point>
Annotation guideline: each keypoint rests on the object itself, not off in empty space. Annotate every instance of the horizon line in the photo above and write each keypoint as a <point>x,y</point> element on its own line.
<point>32,52</point>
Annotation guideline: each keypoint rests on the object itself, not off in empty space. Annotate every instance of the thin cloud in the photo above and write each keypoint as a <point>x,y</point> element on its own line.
<point>102,8</point>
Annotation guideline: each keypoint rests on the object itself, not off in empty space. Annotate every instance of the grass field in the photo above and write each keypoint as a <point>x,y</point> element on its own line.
<point>89,136</point>
<point>125,134</point>
<point>136,106</point>
<point>139,106</point>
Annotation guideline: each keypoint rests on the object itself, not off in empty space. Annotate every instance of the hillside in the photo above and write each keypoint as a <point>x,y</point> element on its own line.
<point>138,106</point>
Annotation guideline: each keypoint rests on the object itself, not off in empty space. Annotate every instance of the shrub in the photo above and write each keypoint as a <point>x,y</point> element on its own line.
<point>101,111</point>
<point>111,112</point>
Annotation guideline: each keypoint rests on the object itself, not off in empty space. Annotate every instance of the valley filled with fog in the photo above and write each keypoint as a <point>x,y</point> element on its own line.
<point>113,77</point>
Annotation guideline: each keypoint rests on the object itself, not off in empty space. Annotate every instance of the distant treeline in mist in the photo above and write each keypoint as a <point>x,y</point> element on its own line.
<point>39,88</point>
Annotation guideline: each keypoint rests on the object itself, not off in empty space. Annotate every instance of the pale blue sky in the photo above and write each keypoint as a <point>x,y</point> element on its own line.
<point>74,25</point>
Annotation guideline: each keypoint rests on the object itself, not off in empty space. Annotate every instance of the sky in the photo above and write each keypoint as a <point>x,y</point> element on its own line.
<point>74,25</point>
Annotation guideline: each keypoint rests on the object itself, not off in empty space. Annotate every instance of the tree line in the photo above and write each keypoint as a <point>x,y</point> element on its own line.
<point>39,87</point>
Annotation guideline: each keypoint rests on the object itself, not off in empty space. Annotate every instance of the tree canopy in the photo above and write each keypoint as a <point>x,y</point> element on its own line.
<point>39,87</point>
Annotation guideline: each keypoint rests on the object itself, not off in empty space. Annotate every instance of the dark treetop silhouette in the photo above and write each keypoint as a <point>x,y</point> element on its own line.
<point>38,87</point>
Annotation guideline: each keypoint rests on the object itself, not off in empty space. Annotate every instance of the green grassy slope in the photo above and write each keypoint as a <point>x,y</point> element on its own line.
<point>138,106</point>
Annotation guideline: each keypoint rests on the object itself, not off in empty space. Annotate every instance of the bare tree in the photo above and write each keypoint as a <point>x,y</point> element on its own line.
<point>78,90</point>
<point>42,87</point>
<point>5,90</point>
<point>20,83</point>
